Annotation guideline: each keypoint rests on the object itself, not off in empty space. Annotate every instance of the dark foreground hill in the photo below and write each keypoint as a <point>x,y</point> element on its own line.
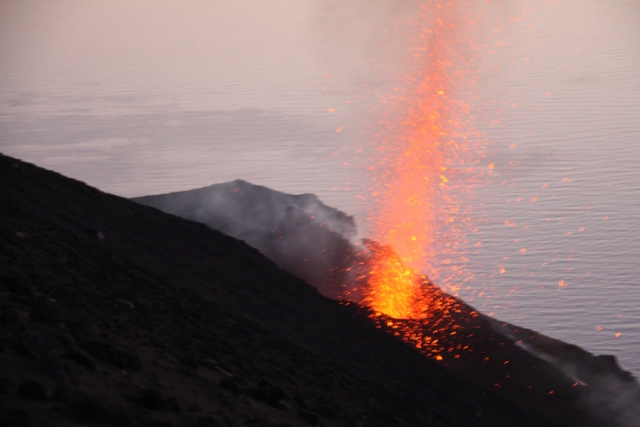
<point>115,313</point>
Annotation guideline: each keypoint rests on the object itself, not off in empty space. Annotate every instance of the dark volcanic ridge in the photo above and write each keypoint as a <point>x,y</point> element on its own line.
<point>115,313</point>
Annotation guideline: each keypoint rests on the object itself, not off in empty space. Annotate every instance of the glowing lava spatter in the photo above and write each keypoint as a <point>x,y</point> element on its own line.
<point>392,285</point>
<point>429,154</point>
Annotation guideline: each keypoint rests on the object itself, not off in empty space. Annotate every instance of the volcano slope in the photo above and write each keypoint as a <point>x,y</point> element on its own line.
<point>115,313</point>
<point>304,236</point>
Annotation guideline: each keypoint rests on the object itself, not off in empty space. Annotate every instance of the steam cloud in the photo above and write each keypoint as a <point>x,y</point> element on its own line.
<point>299,233</point>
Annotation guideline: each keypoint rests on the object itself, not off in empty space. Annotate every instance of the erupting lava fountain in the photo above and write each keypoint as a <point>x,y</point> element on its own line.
<point>430,158</point>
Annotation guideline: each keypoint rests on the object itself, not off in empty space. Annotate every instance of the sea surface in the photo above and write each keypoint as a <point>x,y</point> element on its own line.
<point>140,98</point>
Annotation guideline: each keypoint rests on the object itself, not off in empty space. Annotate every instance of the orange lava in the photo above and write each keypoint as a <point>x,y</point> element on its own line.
<point>430,158</point>
<point>392,286</point>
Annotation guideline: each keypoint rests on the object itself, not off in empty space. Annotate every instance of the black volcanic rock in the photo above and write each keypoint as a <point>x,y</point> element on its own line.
<point>210,331</point>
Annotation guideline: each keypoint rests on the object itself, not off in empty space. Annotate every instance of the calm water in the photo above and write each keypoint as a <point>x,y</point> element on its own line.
<point>138,100</point>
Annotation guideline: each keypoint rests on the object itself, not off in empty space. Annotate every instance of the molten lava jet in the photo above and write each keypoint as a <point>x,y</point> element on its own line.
<point>430,160</point>
<point>429,154</point>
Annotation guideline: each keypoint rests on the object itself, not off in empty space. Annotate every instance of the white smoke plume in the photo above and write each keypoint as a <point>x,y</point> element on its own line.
<point>299,233</point>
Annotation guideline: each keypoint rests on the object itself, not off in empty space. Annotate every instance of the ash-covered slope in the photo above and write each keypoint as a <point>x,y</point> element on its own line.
<point>115,313</point>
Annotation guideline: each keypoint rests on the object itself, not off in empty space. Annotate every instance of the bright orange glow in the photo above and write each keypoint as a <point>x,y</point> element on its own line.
<point>392,285</point>
<point>430,158</point>
<point>431,155</point>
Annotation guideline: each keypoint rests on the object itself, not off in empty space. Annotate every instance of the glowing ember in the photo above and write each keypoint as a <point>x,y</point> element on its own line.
<point>392,285</point>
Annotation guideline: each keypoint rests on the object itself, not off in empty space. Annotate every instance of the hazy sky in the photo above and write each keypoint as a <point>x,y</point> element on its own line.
<point>181,50</point>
